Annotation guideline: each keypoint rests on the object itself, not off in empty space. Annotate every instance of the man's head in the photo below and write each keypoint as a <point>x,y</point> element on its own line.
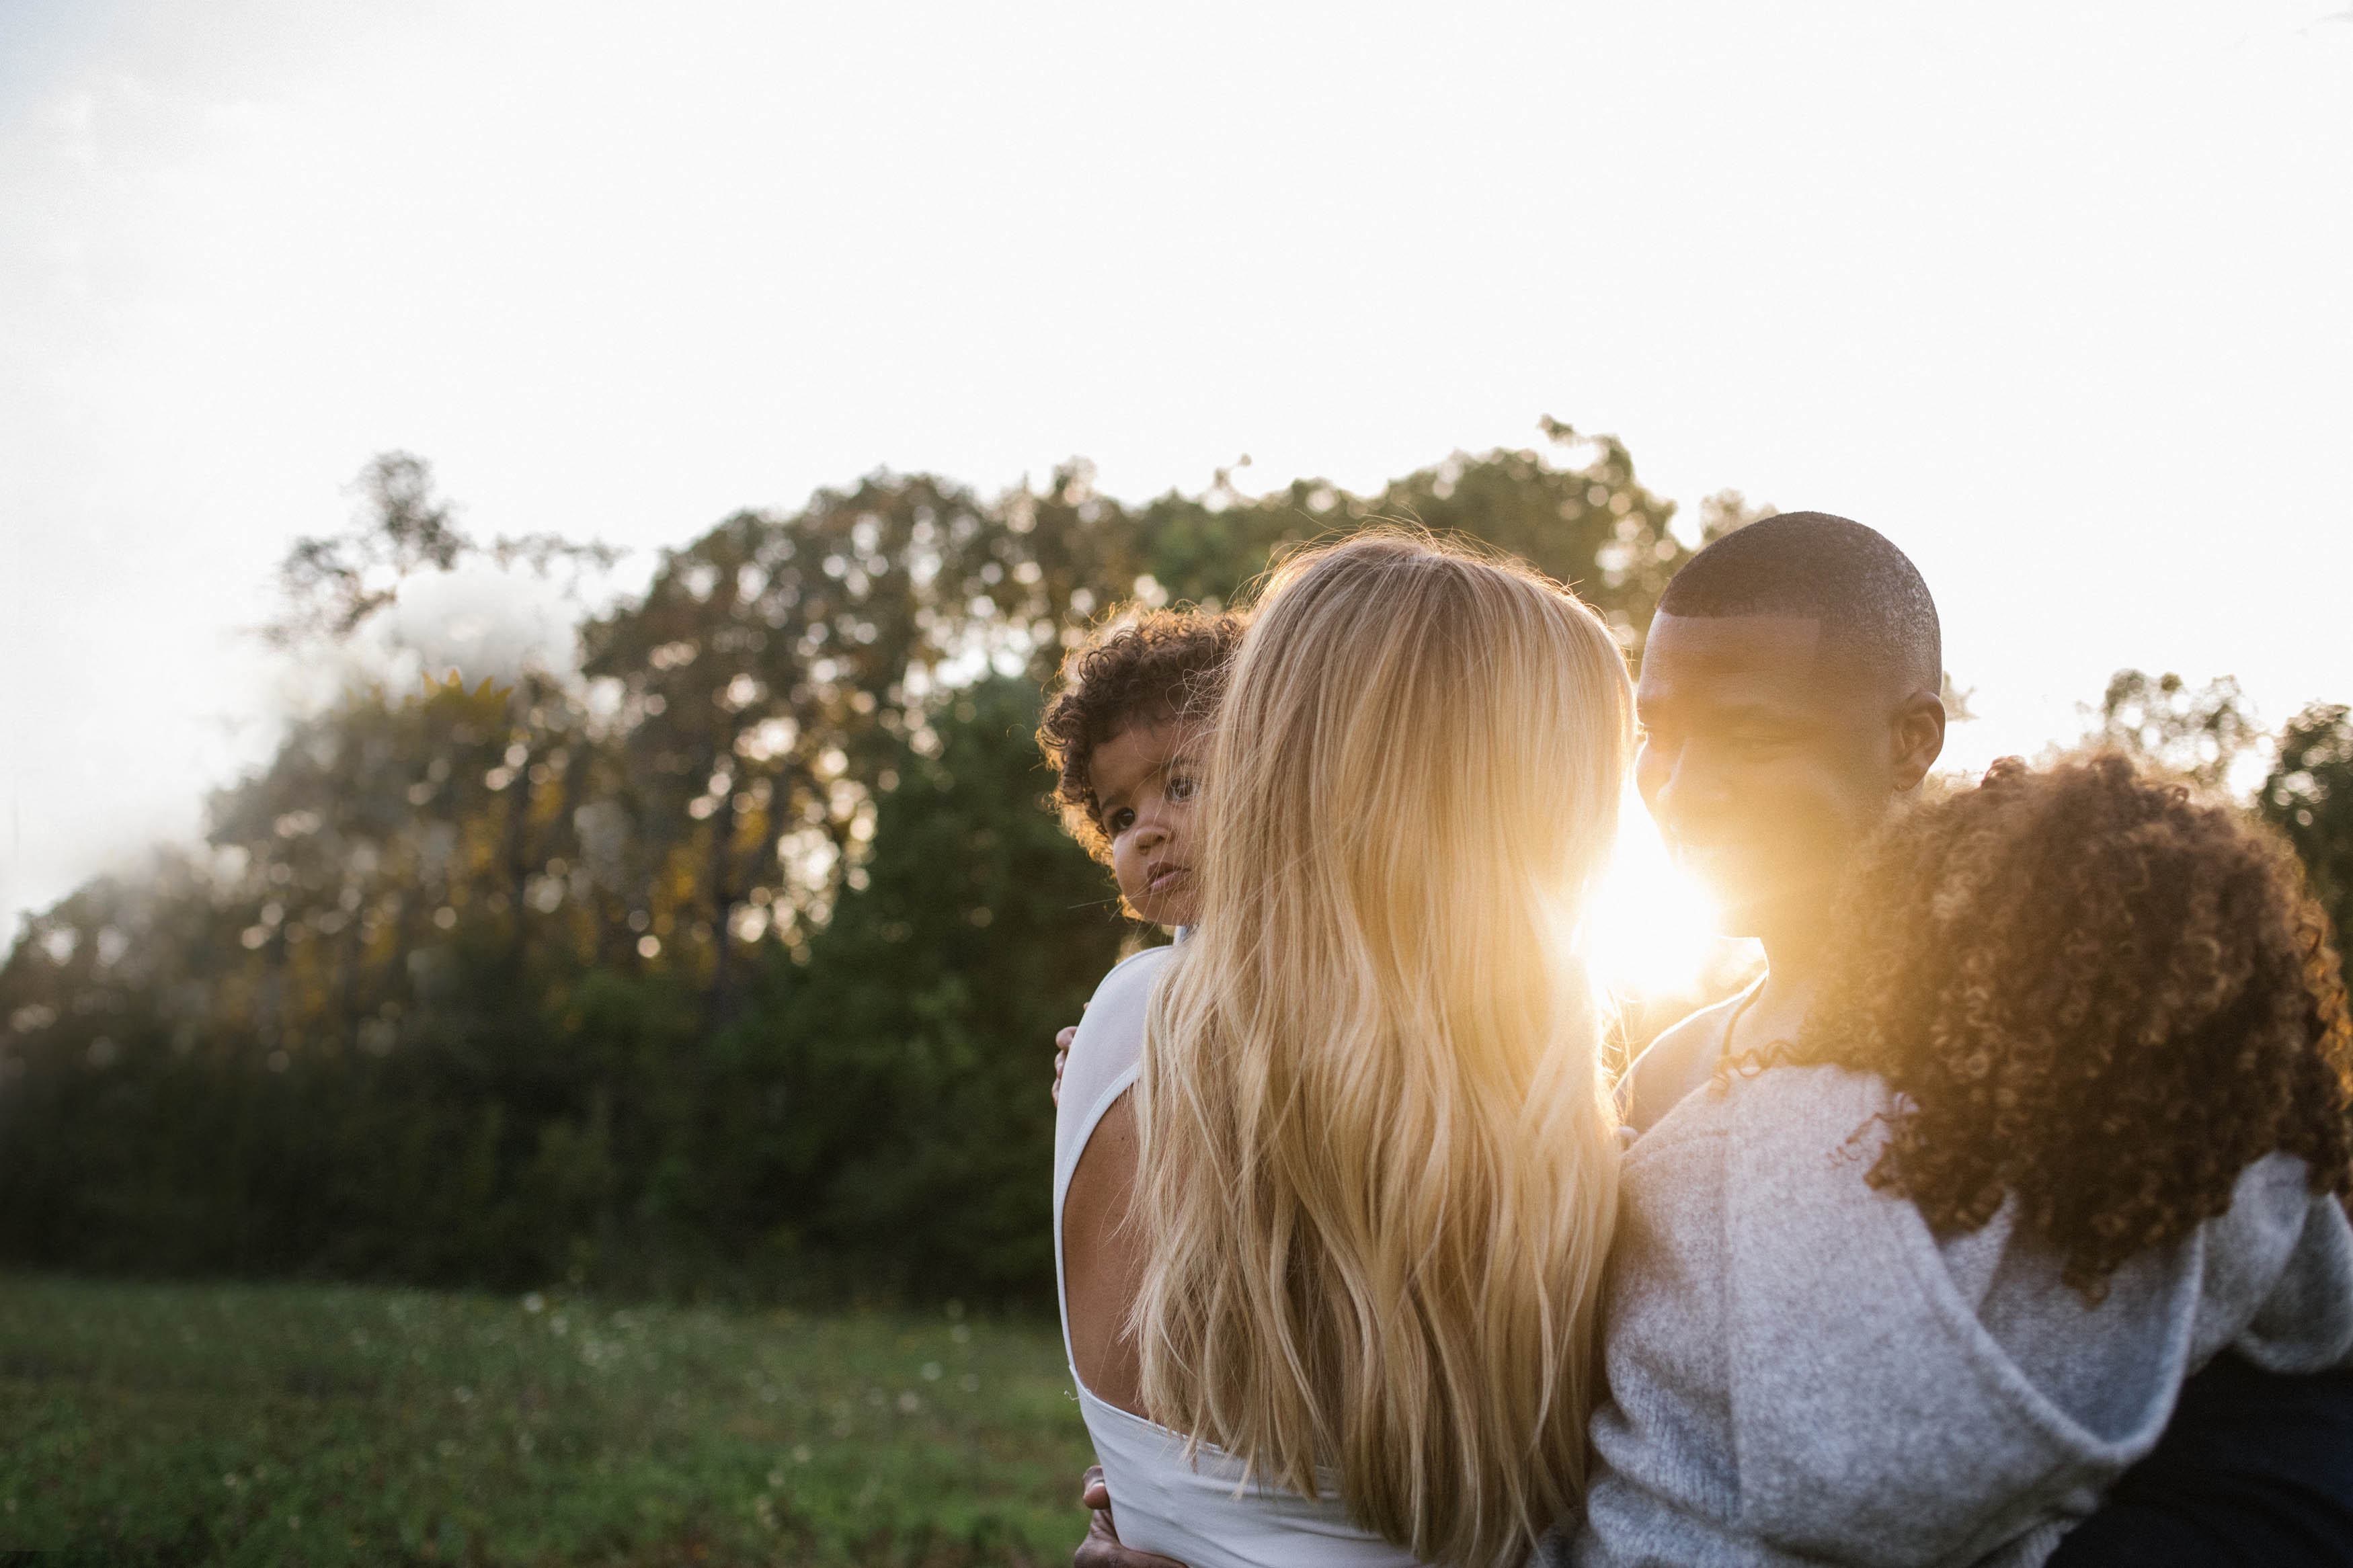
<point>1788,698</point>
<point>1124,734</point>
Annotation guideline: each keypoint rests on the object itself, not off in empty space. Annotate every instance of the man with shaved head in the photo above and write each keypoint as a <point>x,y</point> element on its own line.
<point>1789,703</point>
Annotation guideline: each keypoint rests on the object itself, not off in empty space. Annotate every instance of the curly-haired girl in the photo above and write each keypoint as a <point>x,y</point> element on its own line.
<point>1122,732</point>
<point>2069,1120</point>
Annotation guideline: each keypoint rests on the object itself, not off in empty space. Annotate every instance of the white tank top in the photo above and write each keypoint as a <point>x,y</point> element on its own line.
<point>1201,1512</point>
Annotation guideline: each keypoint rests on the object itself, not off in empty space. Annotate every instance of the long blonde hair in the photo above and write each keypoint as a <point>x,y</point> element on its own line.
<point>1379,1169</point>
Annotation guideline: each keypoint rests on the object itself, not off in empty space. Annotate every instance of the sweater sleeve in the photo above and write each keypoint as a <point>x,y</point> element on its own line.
<point>1896,1400</point>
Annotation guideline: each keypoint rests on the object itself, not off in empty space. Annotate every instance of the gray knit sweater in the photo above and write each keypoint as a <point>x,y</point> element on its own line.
<point>1799,1372</point>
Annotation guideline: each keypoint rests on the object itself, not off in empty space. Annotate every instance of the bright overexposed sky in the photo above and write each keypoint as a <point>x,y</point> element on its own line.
<point>2055,296</point>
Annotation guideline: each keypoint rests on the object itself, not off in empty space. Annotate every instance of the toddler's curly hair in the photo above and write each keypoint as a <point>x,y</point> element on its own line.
<point>1143,665</point>
<point>2095,990</point>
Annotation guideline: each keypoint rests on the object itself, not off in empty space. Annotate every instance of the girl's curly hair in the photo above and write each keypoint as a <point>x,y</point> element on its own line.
<point>2093,989</point>
<point>1146,664</point>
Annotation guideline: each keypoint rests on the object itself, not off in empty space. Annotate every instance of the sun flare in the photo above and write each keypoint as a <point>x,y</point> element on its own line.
<point>1651,930</point>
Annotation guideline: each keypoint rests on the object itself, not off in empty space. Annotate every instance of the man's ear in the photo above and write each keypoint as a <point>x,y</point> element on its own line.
<point>1916,736</point>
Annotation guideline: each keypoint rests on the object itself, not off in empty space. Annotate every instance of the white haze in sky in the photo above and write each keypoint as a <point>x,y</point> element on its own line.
<point>2055,296</point>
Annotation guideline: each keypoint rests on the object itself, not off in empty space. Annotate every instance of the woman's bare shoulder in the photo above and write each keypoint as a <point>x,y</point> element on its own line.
<point>1116,1012</point>
<point>1110,1038</point>
<point>1134,973</point>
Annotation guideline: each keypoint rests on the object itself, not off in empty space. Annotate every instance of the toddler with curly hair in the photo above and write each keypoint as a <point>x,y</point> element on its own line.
<point>1122,733</point>
<point>2069,1119</point>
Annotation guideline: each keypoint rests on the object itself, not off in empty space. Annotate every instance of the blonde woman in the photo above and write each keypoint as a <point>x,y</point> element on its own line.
<point>1334,1177</point>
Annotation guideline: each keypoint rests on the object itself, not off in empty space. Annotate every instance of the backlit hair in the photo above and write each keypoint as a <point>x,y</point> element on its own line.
<point>1378,1171</point>
<point>2095,991</point>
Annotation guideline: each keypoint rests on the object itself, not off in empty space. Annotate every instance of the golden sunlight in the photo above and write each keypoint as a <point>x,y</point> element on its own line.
<point>1652,931</point>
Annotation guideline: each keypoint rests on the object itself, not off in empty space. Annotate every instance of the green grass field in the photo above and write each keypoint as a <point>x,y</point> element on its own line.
<point>289,1423</point>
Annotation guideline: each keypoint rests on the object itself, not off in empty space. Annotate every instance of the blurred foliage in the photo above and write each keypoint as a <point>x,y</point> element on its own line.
<point>293,1424</point>
<point>2308,795</point>
<point>2202,733</point>
<point>2197,733</point>
<point>726,961</point>
<point>332,583</point>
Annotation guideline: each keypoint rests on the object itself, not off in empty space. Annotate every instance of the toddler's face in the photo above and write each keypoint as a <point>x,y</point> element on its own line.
<point>1145,783</point>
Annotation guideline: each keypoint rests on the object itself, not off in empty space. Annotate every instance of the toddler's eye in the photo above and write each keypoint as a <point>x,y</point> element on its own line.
<point>1181,789</point>
<point>1120,821</point>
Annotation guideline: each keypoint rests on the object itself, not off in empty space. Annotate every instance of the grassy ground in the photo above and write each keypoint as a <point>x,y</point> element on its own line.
<point>311,1424</point>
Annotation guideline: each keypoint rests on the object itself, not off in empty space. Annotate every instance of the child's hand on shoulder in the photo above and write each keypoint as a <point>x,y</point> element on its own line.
<point>1062,1038</point>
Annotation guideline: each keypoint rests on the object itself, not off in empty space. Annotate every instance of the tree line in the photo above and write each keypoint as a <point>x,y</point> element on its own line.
<point>724,961</point>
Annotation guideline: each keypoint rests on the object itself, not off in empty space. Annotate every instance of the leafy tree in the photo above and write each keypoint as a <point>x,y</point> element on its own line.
<point>1591,524</point>
<point>2196,733</point>
<point>767,675</point>
<point>908,1048</point>
<point>2308,795</point>
<point>725,960</point>
<point>1727,511</point>
<point>333,583</point>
